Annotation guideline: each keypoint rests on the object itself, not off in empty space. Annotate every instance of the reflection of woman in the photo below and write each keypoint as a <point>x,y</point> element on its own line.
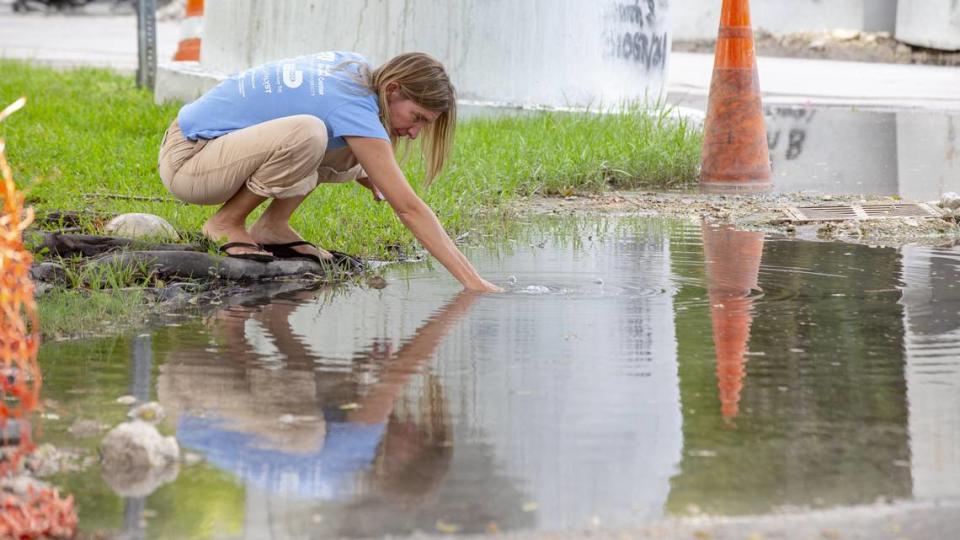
<point>271,425</point>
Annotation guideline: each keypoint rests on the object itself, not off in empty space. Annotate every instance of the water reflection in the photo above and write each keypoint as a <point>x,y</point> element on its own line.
<point>913,154</point>
<point>548,394</point>
<point>269,419</point>
<point>931,303</point>
<point>823,412</point>
<point>732,260</point>
<point>663,368</point>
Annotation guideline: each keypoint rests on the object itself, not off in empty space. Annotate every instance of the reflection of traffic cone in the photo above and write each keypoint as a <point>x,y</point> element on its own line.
<point>189,47</point>
<point>735,156</point>
<point>733,266</point>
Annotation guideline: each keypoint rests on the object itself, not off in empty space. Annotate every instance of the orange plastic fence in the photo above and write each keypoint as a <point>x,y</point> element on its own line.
<point>43,513</point>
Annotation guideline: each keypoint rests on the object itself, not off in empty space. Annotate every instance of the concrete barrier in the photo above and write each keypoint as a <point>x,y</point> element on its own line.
<point>928,155</point>
<point>697,19</point>
<point>553,53</point>
<point>929,23</point>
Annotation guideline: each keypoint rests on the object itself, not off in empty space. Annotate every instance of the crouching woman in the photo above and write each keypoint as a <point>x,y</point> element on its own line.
<point>278,130</point>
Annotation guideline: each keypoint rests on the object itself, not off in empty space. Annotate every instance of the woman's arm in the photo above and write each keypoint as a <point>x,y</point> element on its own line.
<point>377,404</point>
<point>377,158</point>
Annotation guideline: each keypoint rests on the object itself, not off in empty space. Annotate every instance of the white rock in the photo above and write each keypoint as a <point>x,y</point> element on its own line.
<point>950,200</point>
<point>844,34</point>
<point>136,459</point>
<point>137,225</point>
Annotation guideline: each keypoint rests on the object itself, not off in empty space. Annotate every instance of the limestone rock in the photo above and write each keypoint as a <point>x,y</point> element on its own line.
<point>844,34</point>
<point>82,428</point>
<point>136,225</point>
<point>950,201</point>
<point>48,272</point>
<point>136,459</point>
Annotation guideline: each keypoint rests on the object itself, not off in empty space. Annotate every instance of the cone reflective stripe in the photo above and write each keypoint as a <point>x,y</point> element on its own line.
<point>735,155</point>
<point>191,29</point>
<point>733,267</point>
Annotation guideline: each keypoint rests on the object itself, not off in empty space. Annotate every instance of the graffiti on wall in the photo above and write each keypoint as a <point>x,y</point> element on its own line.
<point>637,32</point>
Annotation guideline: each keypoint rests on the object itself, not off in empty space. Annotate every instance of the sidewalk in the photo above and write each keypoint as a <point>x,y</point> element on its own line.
<point>826,82</point>
<point>100,40</point>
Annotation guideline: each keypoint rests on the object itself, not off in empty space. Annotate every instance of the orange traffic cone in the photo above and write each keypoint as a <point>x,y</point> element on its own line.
<point>190,29</point>
<point>735,156</point>
<point>733,268</point>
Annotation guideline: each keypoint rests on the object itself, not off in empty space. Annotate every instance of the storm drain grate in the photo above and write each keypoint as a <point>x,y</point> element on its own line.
<point>841,212</point>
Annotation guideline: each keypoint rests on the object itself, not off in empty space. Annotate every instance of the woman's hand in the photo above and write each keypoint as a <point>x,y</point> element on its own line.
<point>365,182</point>
<point>377,158</point>
<point>483,286</point>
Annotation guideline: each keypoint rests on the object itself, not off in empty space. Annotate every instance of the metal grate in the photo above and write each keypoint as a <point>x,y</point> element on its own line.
<point>841,212</point>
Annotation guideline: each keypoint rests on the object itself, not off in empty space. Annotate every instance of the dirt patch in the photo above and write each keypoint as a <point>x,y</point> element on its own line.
<point>848,45</point>
<point>762,213</point>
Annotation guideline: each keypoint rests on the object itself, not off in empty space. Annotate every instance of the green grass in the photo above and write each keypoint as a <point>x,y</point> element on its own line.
<point>88,134</point>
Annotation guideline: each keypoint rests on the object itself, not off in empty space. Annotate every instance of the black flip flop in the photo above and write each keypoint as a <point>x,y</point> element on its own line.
<point>259,257</point>
<point>342,261</point>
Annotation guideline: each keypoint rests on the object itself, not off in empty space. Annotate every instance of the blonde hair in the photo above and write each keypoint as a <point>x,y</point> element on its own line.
<point>422,79</point>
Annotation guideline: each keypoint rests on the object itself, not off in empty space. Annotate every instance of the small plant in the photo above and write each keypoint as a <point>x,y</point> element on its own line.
<point>115,275</point>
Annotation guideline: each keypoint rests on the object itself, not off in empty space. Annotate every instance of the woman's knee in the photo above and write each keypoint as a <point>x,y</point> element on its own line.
<point>309,131</point>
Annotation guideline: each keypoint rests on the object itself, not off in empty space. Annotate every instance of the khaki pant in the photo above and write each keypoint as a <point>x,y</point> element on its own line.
<point>280,158</point>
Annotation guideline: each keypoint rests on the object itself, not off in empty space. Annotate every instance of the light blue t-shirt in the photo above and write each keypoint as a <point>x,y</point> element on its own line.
<point>317,84</point>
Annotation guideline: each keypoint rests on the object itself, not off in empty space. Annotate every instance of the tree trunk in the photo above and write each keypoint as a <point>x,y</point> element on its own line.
<point>85,245</point>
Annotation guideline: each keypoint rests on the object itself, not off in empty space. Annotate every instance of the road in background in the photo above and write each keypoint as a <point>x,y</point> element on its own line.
<point>102,34</point>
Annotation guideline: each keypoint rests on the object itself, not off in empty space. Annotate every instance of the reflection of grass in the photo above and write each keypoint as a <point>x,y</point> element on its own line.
<point>82,380</point>
<point>97,299</point>
<point>69,312</point>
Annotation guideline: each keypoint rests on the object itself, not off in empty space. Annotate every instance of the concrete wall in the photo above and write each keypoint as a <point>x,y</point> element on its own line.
<point>698,19</point>
<point>536,52</point>
<point>929,23</point>
<point>928,155</point>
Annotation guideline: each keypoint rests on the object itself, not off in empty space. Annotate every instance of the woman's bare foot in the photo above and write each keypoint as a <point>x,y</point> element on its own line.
<point>223,231</point>
<point>266,232</point>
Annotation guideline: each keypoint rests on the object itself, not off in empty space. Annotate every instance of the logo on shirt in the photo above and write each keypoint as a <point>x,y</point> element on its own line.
<point>292,77</point>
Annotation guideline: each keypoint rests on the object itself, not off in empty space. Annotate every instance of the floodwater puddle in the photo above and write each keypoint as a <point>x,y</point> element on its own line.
<point>634,370</point>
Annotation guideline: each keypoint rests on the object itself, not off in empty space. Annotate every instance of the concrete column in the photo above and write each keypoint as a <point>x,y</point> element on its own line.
<point>928,155</point>
<point>929,23</point>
